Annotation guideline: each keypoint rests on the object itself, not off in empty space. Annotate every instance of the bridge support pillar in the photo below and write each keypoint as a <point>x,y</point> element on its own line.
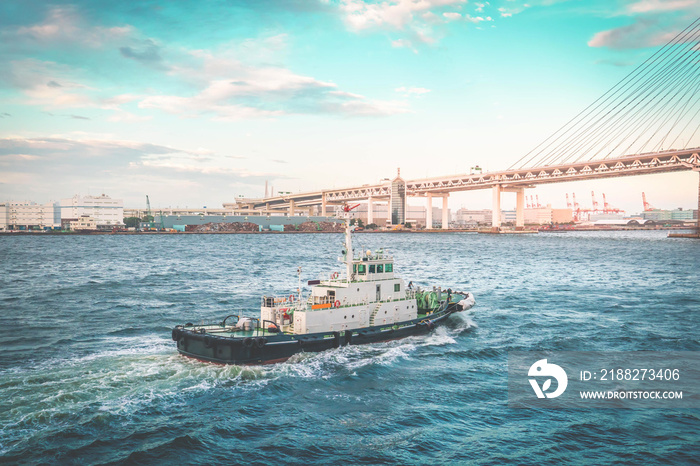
<point>698,224</point>
<point>323,204</point>
<point>370,210</point>
<point>445,213</point>
<point>496,208</point>
<point>292,208</point>
<point>520,209</point>
<point>429,212</point>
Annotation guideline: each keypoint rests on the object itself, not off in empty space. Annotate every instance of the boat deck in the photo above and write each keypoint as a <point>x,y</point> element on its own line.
<point>287,333</point>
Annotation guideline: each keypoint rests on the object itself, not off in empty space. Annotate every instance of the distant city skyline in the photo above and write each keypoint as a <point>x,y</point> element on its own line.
<point>196,103</point>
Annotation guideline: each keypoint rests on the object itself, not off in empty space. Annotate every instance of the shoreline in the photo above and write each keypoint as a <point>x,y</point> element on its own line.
<point>431,231</point>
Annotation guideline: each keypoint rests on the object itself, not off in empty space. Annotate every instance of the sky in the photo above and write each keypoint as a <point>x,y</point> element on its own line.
<point>195,103</point>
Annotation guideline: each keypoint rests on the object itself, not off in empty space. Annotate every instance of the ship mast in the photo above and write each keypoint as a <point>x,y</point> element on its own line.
<point>348,241</point>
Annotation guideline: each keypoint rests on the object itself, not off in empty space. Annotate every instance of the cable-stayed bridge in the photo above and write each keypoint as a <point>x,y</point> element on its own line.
<point>647,123</point>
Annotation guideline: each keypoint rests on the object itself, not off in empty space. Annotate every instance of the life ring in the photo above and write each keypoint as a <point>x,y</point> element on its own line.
<point>334,275</point>
<point>291,297</point>
<point>337,303</point>
<point>248,342</point>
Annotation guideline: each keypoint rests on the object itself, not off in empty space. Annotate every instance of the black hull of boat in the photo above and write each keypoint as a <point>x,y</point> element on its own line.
<point>274,348</point>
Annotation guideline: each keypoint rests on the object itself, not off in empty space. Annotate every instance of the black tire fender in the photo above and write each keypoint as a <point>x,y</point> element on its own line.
<point>248,342</point>
<point>260,342</point>
<point>176,334</point>
<point>208,341</point>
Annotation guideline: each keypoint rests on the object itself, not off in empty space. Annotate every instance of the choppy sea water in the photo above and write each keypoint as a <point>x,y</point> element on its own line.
<point>89,375</point>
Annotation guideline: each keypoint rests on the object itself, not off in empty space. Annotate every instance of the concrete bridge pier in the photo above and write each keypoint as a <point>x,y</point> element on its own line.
<point>519,206</point>
<point>698,224</point>
<point>323,205</point>
<point>445,216</point>
<point>370,211</point>
<point>292,208</point>
<point>429,211</point>
<point>496,208</point>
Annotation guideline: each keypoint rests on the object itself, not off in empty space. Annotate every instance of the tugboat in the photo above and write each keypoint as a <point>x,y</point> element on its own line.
<point>366,303</point>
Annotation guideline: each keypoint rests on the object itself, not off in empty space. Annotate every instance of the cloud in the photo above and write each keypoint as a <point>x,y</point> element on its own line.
<point>647,6</point>
<point>416,18</point>
<point>655,23</point>
<point>223,84</point>
<point>63,25</point>
<point>480,7</point>
<point>117,164</point>
<point>645,32</point>
<point>412,90</point>
<point>403,43</point>
<point>148,53</point>
<point>231,90</point>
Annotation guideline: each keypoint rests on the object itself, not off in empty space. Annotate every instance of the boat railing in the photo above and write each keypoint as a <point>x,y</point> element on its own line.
<point>279,301</point>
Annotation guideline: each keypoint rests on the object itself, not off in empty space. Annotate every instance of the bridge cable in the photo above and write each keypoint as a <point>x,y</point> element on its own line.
<point>593,129</point>
<point>594,119</point>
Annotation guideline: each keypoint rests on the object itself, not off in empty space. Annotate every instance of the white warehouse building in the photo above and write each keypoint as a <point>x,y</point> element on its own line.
<point>25,215</point>
<point>107,212</point>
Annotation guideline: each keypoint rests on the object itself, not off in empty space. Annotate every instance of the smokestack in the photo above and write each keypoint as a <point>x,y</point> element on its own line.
<point>265,189</point>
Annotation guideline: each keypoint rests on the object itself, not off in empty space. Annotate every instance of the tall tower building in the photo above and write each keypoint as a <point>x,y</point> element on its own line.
<point>398,200</point>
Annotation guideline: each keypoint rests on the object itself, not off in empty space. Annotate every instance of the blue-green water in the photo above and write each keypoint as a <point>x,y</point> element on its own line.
<point>88,373</point>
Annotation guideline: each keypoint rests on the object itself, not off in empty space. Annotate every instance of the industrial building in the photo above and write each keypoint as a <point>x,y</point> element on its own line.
<point>679,214</point>
<point>107,213</point>
<point>103,212</point>
<point>27,215</point>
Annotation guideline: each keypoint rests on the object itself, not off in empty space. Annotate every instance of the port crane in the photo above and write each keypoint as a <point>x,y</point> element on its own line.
<point>647,206</point>
<point>610,210</point>
<point>151,225</point>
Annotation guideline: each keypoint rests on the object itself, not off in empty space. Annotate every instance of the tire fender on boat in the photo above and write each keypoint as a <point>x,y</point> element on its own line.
<point>248,342</point>
<point>208,341</point>
<point>260,342</point>
<point>176,334</point>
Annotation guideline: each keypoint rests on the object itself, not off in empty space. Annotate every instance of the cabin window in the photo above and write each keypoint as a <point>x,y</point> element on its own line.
<point>380,268</point>
<point>397,287</point>
<point>389,268</point>
<point>362,269</point>
<point>371,268</point>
